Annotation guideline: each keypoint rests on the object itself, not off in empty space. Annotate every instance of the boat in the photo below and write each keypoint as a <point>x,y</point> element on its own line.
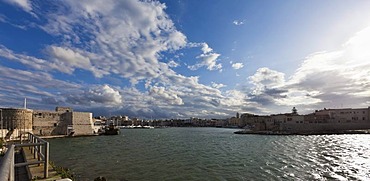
<point>109,130</point>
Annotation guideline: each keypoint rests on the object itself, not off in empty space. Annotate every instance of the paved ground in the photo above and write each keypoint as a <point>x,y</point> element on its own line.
<point>37,171</point>
<point>20,172</point>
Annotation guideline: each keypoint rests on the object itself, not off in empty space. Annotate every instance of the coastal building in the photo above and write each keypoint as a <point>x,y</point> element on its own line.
<point>320,121</point>
<point>15,121</point>
<point>62,121</point>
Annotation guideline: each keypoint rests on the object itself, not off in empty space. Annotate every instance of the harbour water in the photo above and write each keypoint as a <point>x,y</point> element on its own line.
<point>213,154</point>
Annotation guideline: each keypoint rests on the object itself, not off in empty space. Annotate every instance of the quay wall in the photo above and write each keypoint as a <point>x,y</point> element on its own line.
<point>322,127</point>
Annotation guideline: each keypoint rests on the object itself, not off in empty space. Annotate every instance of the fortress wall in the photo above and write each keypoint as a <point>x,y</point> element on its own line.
<point>81,121</point>
<point>17,118</point>
<point>48,123</point>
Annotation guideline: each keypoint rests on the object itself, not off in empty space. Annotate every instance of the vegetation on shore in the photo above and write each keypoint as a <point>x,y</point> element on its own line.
<point>63,172</point>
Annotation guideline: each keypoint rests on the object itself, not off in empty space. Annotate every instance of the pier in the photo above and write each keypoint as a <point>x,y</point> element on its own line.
<point>27,159</point>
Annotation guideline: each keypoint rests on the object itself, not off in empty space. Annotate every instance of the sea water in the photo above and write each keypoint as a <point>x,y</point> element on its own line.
<point>213,154</point>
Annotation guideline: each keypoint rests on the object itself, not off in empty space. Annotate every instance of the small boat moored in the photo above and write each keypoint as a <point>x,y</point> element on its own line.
<point>109,130</point>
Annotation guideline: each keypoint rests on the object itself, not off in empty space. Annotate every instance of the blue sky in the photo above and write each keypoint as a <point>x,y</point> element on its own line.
<point>180,59</point>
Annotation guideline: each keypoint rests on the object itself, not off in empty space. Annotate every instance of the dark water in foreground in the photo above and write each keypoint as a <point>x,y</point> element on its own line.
<point>213,154</point>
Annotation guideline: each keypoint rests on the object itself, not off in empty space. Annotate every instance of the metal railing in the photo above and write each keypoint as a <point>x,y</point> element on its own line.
<point>7,165</point>
<point>40,150</point>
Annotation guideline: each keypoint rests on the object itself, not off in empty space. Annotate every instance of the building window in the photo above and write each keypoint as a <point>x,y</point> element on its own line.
<point>55,124</point>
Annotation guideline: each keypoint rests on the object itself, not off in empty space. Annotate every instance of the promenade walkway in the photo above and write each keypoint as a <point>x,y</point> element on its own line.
<point>37,171</point>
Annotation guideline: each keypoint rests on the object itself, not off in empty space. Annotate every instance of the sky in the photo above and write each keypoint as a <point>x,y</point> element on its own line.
<point>182,59</point>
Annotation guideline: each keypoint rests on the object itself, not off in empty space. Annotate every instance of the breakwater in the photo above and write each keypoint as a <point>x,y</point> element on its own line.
<point>213,154</point>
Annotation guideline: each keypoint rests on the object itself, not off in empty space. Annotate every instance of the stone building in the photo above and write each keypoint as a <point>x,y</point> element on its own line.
<point>62,121</point>
<point>321,121</point>
<point>15,121</point>
<point>78,123</point>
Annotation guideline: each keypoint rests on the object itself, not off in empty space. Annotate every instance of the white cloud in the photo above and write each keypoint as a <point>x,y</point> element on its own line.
<point>206,48</point>
<point>17,84</point>
<point>217,86</point>
<point>238,22</point>
<point>237,65</point>
<point>167,96</point>
<point>126,37</point>
<point>24,4</point>
<point>66,60</point>
<point>324,79</point>
<point>172,63</point>
<point>33,62</point>
<point>267,77</point>
<point>208,57</point>
<point>100,95</point>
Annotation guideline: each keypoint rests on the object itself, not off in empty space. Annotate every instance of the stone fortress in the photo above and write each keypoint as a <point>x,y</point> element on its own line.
<point>62,121</point>
<point>320,121</point>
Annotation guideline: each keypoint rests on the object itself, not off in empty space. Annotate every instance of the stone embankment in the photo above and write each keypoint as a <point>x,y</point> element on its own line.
<point>303,133</point>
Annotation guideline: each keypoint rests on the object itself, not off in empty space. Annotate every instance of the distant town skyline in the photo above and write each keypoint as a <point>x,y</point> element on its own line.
<point>181,59</point>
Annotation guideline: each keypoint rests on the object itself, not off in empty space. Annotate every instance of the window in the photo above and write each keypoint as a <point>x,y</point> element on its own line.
<point>55,124</point>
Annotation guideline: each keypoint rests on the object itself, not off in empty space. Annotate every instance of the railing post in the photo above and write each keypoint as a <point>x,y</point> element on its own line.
<point>12,168</point>
<point>46,164</point>
<point>38,152</point>
<point>34,148</point>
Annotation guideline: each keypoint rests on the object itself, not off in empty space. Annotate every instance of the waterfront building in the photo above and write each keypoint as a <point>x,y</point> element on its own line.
<point>326,120</point>
<point>62,121</point>
<point>15,121</point>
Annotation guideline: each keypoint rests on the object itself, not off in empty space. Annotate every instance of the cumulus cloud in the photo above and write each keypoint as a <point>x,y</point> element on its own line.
<point>217,86</point>
<point>237,66</point>
<point>167,95</point>
<point>267,77</point>
<point>126,37</point>
<point>118,39</point>
<point>343,72</point>
<point>324,79</point>
<point>208,58</point>
<point>101,95</point>
<point>67,60</point>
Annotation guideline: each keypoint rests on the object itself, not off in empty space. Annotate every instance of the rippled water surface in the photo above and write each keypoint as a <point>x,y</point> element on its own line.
<point>213,154</point>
